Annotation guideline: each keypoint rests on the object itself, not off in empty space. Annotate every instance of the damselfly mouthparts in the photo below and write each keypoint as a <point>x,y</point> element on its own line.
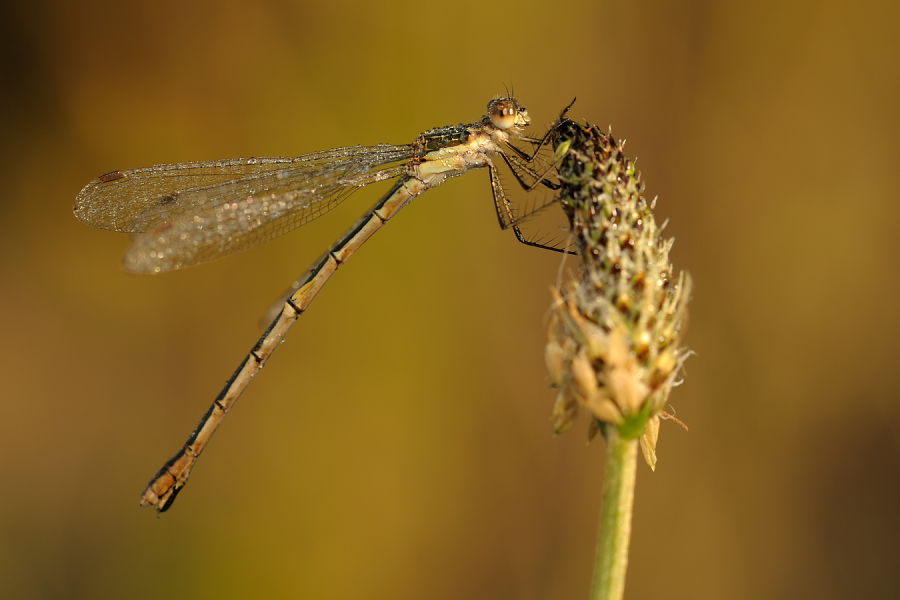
<point>188,213</point>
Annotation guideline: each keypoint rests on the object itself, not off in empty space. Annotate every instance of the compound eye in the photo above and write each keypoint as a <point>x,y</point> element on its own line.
<point>506,112</point>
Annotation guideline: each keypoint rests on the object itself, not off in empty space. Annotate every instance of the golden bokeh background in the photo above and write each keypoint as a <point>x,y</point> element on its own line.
<point>398,445</point>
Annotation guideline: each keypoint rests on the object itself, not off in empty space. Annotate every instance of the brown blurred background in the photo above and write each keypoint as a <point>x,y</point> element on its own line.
<point>398,446</point>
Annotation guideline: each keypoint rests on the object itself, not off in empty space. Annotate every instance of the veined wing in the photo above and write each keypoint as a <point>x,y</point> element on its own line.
<point>138,200</point>
<point>193,212</point>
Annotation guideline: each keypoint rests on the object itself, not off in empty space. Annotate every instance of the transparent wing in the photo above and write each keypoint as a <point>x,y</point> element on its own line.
<point>194,212</point>
<point>138,200</point>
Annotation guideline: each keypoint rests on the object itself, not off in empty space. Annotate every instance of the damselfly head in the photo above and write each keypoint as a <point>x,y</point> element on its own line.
<point>506,112</point>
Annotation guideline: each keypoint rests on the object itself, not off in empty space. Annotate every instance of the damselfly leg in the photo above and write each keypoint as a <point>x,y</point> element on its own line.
<point>519,163</point>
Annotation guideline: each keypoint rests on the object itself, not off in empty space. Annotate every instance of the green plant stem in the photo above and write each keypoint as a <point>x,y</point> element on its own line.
<point>615,517</point>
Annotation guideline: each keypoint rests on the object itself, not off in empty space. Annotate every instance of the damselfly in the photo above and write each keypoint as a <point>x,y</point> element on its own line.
<point>188,213</point>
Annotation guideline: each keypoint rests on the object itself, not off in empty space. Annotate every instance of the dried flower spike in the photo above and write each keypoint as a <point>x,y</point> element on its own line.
<point>614,334</point>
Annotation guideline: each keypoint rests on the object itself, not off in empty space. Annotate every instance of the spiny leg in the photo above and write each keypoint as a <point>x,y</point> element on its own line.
<point>505,216</point>
<point>540,143</point>
<point>539,178</point>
